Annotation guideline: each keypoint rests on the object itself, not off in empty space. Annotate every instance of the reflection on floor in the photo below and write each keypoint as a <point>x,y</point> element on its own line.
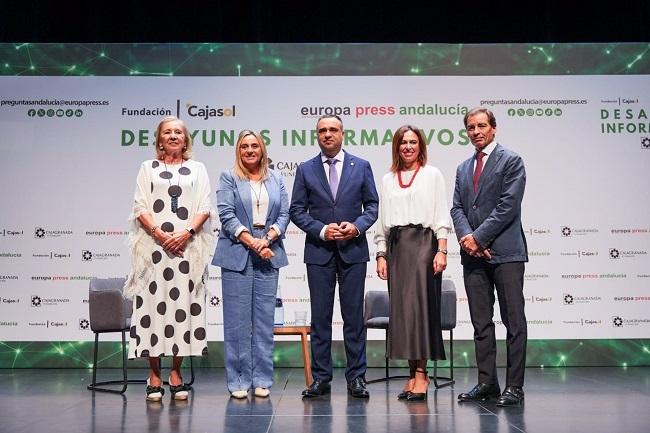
<point>593,400</point>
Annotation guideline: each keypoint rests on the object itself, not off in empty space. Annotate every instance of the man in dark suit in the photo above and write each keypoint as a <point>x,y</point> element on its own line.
<point>335,216</point>
<point>487,219</point>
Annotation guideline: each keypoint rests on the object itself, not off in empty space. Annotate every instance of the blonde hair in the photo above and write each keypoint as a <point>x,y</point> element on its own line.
<point>240,169</point>
<point>187,149</point>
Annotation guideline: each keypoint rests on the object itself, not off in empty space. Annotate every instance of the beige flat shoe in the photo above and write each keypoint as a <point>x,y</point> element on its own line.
<point>239,394</point>
<point>262,392</point>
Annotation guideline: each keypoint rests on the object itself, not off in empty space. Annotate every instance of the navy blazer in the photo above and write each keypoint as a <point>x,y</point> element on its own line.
<point>493,213</point>
<point>234,202</point>
<point>313,207</point>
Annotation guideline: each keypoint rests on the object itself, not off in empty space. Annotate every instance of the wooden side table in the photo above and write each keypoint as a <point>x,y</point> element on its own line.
<point>303,331</point>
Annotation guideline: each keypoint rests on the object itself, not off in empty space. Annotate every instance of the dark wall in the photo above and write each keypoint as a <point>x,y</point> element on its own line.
<point>306,21</point>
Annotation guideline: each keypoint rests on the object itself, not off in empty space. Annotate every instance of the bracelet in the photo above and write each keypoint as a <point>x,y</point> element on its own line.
<point>191,231</point>
<point>380,254</point>
<point>442,251</point>
<point>153,230</point>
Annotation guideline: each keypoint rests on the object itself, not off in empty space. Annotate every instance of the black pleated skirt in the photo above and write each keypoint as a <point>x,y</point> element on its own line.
<point>414,330</point>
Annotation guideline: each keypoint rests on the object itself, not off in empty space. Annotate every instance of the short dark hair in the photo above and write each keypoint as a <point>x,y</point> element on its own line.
<point>477,110</point>
<point>330,116</point>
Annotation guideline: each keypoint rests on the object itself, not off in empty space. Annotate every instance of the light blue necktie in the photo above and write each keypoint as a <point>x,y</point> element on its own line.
<point>334,176</point>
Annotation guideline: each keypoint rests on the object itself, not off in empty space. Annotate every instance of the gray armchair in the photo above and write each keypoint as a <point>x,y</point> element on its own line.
<point>109,311</point>
<point>376,316</point>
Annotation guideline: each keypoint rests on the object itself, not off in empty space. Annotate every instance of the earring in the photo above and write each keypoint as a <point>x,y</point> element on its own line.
<point>161,148</point>
<point>185,148</point>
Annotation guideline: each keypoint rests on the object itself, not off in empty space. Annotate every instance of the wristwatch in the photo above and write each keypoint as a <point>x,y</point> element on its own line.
<point>442,251</point>
<point>268,239</point>
<point>191,230</point>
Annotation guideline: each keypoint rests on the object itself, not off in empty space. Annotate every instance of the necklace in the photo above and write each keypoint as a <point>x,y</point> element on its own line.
<point>399,178</point>
<point>174,190</point>
<point>257,196</point>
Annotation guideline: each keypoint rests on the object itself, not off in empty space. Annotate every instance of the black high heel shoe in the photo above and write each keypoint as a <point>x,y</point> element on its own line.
<point>419,396</point>
<point>404,394</point>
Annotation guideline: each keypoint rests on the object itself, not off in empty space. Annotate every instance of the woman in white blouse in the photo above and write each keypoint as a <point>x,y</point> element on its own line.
<point>411,241</point>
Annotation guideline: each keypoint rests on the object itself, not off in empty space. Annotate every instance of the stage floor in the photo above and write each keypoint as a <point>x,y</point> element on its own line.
<point>607,400</point>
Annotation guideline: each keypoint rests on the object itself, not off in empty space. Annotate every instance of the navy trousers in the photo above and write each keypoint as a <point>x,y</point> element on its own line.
<point>322,281</point>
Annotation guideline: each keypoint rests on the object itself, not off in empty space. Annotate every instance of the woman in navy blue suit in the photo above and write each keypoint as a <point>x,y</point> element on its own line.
<point>254,211</point>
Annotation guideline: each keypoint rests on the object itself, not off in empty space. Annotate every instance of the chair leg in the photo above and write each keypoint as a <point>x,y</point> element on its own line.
<point>387,377</point>
<point>95,348</point>
<point>191,372</point>
<point>447,381</point>
<point>97,386</point>
<point>386,359</point>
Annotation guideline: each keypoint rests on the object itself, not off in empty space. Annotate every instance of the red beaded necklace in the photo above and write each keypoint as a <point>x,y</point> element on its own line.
<point>399,178</point>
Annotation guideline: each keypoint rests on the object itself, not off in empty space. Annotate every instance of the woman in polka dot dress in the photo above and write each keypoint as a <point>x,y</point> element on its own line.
<point>170,247</point>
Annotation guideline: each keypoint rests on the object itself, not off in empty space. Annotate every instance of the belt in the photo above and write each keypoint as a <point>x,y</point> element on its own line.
<point>258,226</point>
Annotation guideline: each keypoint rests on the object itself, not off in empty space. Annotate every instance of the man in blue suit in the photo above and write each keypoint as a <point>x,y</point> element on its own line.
<point>334,202</point>
<point>487,220</point>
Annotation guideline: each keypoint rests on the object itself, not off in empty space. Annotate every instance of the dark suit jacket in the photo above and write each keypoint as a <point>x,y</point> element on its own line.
<point>313,207</point>
<point>493,213</point>
<point>236,209</point>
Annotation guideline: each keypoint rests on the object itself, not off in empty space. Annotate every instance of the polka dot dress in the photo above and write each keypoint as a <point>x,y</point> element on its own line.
<point>169,317</point>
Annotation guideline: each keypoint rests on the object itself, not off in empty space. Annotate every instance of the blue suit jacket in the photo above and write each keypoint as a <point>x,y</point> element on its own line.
<point>493,213</point>
<point>313,207</point>
<point>236,209</point>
